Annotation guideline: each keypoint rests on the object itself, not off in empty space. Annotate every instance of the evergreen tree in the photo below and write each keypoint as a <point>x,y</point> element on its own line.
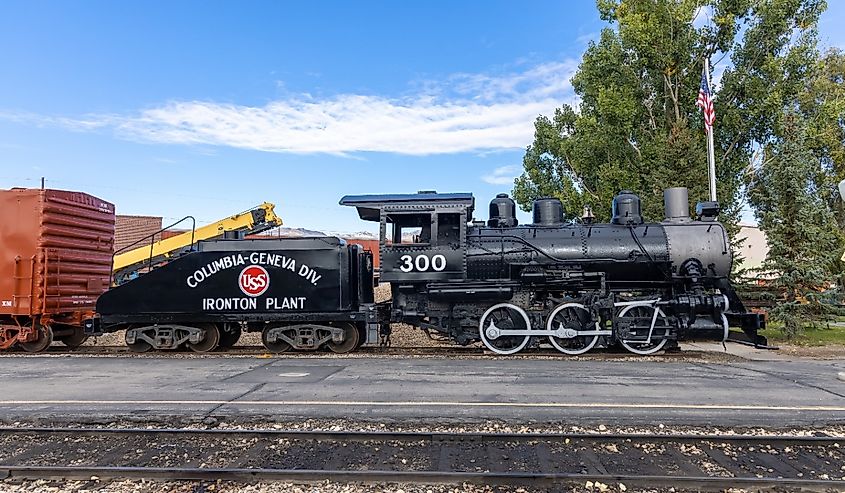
<point>801,230</point>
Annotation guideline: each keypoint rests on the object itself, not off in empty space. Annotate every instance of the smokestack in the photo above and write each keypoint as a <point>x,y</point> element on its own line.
<point>676,204</point>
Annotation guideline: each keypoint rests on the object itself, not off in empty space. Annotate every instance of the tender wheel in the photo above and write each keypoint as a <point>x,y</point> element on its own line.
<point>211,340</point>
<point>504,316</point>
<point>279,346</point>
<point>574,317</point>
<point>230,335</point>
<point>362,339</point>
<point>45,338</point>
<point>138,346</point>
<point>641,316</point>
<point>75,339</point>
<point>351,338</point>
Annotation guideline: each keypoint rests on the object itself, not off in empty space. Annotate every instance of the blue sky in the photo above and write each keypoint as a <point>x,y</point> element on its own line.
<point>208,108</point>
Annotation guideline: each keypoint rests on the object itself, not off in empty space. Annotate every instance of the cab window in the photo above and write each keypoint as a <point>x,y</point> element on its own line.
<point>448,229</point>
<point>408,229</point>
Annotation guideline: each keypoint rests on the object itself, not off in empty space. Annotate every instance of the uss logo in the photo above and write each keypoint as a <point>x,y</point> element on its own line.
<point>254,280</point>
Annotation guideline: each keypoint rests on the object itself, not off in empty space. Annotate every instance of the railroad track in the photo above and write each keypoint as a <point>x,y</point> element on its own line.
<point>537,460</point>
<point>260,351</point>
<point>364,351</point>
<point>254,350</point>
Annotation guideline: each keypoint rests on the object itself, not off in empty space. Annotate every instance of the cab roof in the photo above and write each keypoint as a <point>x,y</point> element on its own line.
<point>370,206</point>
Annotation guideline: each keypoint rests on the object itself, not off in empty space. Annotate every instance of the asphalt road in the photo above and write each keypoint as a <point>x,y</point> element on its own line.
<point>747,393</point>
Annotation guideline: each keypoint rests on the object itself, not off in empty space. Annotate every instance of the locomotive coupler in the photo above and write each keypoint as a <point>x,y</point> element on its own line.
<point>384,335</point>
<point>92,327</point>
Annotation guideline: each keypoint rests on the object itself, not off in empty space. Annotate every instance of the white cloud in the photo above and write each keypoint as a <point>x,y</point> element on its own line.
<point>86,123</point>
<point>585,39</point>
<point>503,175</point>
<point>464,113</point>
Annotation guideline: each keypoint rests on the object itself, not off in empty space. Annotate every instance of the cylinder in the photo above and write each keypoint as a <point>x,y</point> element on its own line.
<point>548,212</point>
<point>676,204</point>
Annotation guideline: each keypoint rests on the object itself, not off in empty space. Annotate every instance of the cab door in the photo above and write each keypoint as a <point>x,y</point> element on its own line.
<point>423,245</point>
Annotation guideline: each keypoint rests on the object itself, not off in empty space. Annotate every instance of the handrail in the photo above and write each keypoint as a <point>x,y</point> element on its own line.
<point>152,237</point>
<point>131,258</point>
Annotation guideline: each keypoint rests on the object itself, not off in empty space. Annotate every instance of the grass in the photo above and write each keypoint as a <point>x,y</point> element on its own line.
<point>822,334</point>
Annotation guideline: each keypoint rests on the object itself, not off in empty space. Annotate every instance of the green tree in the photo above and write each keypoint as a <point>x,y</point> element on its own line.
<point>637,127</point>
<point>822,103</point>
<point>801,230</point>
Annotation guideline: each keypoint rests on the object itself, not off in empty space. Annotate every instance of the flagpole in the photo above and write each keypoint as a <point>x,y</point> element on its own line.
<point>711,153</point>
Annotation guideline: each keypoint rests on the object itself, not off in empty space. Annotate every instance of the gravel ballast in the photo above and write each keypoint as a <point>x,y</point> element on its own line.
<point>95,484</point>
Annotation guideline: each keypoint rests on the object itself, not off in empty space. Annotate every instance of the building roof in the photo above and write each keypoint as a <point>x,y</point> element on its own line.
<point>130,229</point>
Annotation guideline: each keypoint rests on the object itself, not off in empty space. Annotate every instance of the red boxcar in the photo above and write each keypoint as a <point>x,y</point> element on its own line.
<point>56,252</point>
<point>367,244</point>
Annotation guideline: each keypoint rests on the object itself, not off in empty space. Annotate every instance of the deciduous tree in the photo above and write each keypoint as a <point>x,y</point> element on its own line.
<point>636,126</point>
<point>822,104</point>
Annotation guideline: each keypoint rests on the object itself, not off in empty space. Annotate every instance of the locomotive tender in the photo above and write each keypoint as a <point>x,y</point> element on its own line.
<point>301,293</point>
<point>577,285</point>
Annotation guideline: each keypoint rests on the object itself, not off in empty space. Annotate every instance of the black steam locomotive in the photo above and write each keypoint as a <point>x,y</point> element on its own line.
<point>577,285</point>
<point>641,285</point>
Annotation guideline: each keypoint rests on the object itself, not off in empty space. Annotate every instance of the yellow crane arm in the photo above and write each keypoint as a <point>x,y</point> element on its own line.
<point>255,220</point>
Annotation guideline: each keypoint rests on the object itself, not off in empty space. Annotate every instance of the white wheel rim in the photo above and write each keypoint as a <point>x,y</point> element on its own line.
<point>571,352</point>
<point>487,342</point>
<point>725,318</point>
<point>643,352</point>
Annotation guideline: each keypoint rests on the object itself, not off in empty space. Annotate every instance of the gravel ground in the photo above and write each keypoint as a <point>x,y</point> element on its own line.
<point>403,336</point>
<point>458,426</point>
<point>283,487</point>
<point>832,351</point>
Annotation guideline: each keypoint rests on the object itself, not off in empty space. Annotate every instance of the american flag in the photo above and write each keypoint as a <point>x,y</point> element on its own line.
<point>705,102</point>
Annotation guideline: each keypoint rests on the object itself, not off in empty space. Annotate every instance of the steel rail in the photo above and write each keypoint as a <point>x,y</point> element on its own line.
<point>86,473</point>
<point>123,351</point>
<point>256,349</point>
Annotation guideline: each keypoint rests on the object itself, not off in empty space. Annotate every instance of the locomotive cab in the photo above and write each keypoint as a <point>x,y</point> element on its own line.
<point>422,236</point>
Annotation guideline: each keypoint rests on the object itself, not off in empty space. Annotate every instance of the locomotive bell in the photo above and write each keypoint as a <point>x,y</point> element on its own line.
<point>587,217</point>
<point>502,212</point>
<point>626,208</point>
